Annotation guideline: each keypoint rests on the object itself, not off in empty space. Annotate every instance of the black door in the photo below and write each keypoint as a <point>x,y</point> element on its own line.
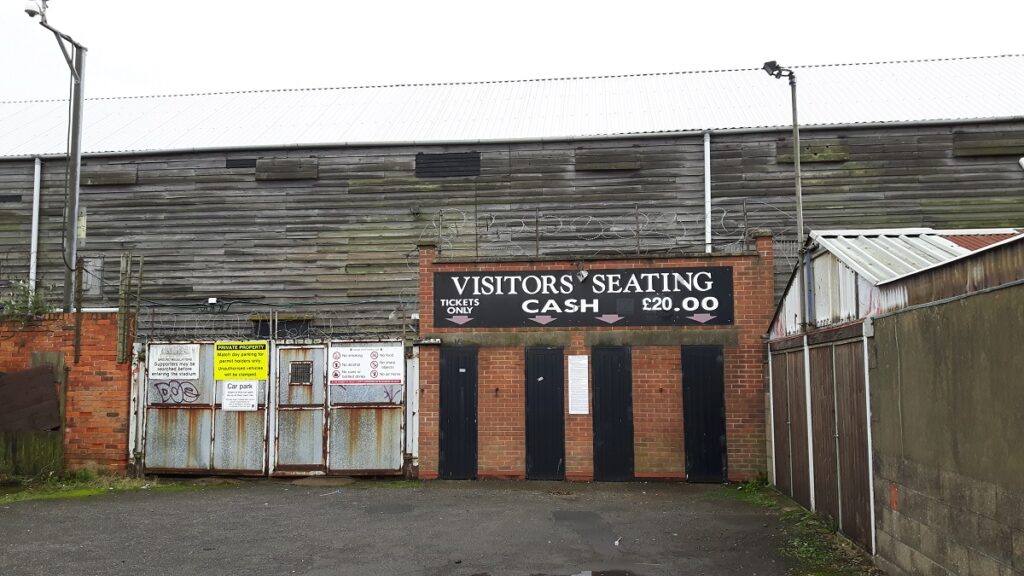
<point>613,414</point>
<point>704,413</point>
<point>457,440</point>
<point>545,419</point>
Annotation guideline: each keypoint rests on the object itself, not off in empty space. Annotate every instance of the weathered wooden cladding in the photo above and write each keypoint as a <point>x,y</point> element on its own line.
<point>974,143</point>
<point>342,243</point>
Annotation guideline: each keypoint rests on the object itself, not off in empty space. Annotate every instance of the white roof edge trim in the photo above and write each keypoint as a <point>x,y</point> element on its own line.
<point>1011,240</point>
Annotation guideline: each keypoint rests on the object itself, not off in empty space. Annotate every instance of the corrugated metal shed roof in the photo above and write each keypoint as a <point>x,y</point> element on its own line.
<point>561,108</point>
<point>883,255</point>
<point>977,242</point>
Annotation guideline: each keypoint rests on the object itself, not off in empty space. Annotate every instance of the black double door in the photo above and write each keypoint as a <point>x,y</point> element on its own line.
<point>704,413</point>
<point>545,416</point>
<point>457,441</point>
<point>613,414</point>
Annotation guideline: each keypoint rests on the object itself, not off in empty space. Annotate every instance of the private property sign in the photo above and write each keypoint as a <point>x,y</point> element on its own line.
<point>630,297</point>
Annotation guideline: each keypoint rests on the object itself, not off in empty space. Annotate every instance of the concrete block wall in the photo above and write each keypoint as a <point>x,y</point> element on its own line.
<point>946,401</point>
<point>657,375</point>
<point>98,388</point>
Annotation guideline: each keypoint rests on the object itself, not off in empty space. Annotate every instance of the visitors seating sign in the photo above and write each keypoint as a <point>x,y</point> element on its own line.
<point>621,297</point>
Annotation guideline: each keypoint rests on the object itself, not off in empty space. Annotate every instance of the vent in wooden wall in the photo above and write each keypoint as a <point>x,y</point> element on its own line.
<point>287,169</point>
<point>240,163</point>
<point>605,159</point>
<point>447,165</point>
<point>10,197</point>
<point>1004,143</point>
<point>830,150</point>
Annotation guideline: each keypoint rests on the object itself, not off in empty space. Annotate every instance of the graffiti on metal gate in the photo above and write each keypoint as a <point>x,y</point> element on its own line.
<point>177,392</point>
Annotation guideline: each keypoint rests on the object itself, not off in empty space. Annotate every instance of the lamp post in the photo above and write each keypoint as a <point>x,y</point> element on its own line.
<point>773,69</point>
<point>75,58</point>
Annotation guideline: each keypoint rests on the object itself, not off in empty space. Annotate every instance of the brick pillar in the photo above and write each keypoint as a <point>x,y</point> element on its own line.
<point>430,368</point>
<point>579,431</point>
<point>501,413</point>
<point>658,412</point>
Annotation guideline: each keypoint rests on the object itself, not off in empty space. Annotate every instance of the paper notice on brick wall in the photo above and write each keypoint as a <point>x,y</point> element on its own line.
<point>579,391</point>
<point>173,362</point>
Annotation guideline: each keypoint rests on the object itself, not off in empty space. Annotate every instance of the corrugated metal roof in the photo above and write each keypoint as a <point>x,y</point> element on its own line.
<point>882,255</point>
<point>561,108</point>
<point>977,242</point>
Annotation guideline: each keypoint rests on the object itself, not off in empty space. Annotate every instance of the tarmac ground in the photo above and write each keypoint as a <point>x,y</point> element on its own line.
<point>328,527</point>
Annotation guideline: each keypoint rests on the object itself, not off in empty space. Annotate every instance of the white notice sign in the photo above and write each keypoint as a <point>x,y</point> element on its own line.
<point>240,395</point>
<point>358,364</point>
<point>579,391</point>
<point>173,362</point>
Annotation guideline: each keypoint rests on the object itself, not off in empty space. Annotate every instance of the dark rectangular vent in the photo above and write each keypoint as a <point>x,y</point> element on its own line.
<point>240,163</point>
<point>288,329</point>
<point>10,197</point>
<point>447,165</point>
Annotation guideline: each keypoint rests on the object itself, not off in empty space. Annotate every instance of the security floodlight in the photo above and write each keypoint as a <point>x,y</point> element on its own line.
<point>773,69</point>
<point>74,55</point>
<point>36,8</point>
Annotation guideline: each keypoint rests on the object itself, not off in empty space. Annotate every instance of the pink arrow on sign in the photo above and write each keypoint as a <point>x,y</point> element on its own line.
<point>610,318</point>
<point>460,320</point>
<point>543,320</point>
<point>702,317</point>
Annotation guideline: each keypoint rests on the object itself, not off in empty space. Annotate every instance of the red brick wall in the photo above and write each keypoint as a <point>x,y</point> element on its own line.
<point>501,410</point>
<point>658,412</point>
<point>657,379</point>
<point>99,389</point>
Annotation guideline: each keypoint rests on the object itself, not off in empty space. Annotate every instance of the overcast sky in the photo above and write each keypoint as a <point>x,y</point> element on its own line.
<point>146,47</point>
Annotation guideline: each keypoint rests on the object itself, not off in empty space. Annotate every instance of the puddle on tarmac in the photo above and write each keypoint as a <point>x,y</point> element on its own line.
<point>588,573</point>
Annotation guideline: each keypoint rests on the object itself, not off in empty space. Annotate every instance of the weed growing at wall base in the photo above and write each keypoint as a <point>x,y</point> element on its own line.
<point>810,540</point>
<point>77,485</point>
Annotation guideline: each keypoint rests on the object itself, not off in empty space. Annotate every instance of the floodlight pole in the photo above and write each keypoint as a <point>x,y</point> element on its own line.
<point>76,63</point>
<point>773,69</point>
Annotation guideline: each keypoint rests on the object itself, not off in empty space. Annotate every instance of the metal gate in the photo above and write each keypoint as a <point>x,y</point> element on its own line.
<point>187,429</point>
<point>613,414</point>
<point>300,421</point>
<point>704,413</point>
<point>545,416</point>
<point>300,425</point>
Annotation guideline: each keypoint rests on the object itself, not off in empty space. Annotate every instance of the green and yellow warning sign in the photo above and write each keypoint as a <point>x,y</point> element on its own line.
<point>241,360</point>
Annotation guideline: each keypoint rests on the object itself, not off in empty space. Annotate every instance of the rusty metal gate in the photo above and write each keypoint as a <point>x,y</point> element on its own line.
<point>307,415</point>
<point>187,429</point>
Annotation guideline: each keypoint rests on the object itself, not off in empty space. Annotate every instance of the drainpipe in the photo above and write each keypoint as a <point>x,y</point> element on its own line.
<point>771,418</point>
<point>33,256</point>
<point>868,328</point>
<point>707,192</point>
<point>810,428</point>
